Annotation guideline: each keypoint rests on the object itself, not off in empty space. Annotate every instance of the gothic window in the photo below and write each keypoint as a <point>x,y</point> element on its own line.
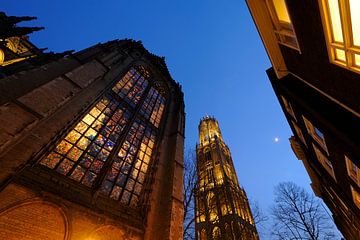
<point>125,179</point>
<point>84,150</point>
<point>208,155</point>
<point>110,144</point>
<point>212,206</point>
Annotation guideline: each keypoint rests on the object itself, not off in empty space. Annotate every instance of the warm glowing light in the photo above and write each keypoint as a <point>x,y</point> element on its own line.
<point>340,55</point>
<point>357,60</point>
<point>335,20</point>
<point>281,10</point>
<point>356,197</point>
<point>355,21</point>
<point>209,130</point>
<point>2,56</point>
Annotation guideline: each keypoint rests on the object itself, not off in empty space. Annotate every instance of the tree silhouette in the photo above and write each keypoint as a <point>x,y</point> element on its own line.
<point>297,215</point>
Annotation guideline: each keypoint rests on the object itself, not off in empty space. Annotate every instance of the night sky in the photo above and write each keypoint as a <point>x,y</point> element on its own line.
<point>213,49</point>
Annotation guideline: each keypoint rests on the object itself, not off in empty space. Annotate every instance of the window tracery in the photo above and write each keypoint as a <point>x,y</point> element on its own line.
<point>111,146</point>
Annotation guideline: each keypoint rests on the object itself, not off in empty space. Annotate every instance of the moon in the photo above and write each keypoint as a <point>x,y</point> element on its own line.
<point>276,139</point>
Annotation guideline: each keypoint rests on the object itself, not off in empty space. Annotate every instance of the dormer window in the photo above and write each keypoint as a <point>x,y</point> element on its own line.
<point>341,21</point>
<point>283,27</point>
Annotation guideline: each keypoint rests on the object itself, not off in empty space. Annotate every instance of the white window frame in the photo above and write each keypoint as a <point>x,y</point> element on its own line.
<point>282,29</point>
<point>347,46</point>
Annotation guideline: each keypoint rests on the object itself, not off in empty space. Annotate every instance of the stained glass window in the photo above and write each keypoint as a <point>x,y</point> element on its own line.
<point>131,87</point>
<point>126,177</point>
<point>110,145</point>
<point>153,107</point>
<point>85,149</point>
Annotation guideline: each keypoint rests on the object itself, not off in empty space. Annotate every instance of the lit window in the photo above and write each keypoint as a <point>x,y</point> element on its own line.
<point>353,170</point>
<point>341,20</point>
<point>114,141</point>
<point>356,196</point>
<point>324,161</point>
<point>316,134</point>
<point>288,107</point>
<point>283,27</point>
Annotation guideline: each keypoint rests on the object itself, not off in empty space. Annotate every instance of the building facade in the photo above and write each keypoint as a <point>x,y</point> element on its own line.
<point>91,146</point>
<point>315,74</point>
<point>14,42</point>
<point>221,207</point>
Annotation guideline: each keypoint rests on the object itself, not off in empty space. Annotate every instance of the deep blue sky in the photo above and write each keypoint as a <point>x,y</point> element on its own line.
<point>213,49</point>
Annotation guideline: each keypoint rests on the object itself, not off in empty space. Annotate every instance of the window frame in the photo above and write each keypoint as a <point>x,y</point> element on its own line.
<point>355,194</point>
<point>349,165</point>
<point>324,161</point>
<point>311,130</point>
<point>288,107</point>
<point>299,133</point>
<point>350,50</point>
<point>283,29</point>
<point>135,116</point>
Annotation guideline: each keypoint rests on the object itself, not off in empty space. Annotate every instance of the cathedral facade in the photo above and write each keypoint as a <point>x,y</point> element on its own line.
<point>91,146</point>
<point>221,206</point>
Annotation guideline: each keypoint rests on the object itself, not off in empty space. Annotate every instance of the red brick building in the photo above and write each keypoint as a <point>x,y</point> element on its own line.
<point>91,146</point>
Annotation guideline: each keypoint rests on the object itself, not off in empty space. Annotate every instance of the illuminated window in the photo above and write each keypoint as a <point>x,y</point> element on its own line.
<point>341,21</point>
<point>324,161</point>
<point>353,170</point>
<point>84,150</point>
<point>316,134</point>
<point>87,153</point>
<point>283,27</point>
<point>356,196</point>
<point>288,107</point>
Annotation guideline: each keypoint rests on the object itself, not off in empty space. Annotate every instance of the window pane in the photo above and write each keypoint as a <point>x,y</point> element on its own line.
<point>357,60</point>
<point>83,152</point>
<point>132,161</point>
<point>281,10</point>
<point>355,21</point>
<point>324,161</point>
<point>335,20</point>
<point>356,197</point>
<point>319,133</point>
<point>340,55</point>
<point>132,85</point>
<point>153,107</point>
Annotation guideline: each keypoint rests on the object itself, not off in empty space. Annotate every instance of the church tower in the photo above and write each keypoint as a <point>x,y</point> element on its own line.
<point>221,206</point>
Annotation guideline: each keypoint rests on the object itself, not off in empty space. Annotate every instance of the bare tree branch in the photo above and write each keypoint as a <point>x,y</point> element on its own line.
<point>298,215</point>
<point>190,181</point>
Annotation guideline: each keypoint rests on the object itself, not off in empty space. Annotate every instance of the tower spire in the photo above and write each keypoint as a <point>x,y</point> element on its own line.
<point>222,209</point>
